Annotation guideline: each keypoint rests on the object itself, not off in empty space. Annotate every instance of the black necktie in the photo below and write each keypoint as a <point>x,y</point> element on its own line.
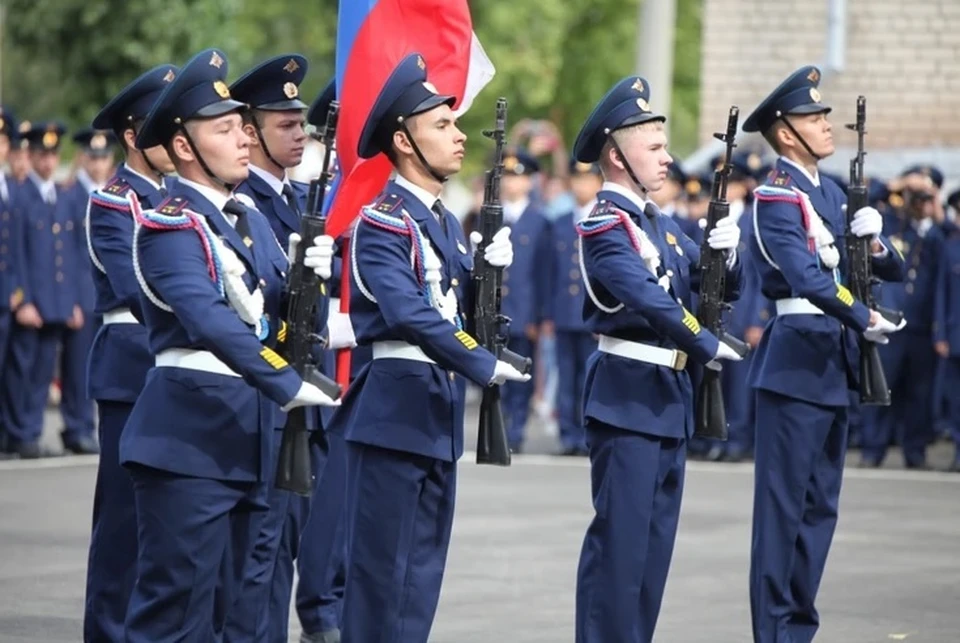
<point>290,198</point>
<point>441,215</point>
<point>242,225</point>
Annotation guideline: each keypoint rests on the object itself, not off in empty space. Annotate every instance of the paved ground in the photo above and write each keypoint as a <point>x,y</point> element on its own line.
<point>893,573</point>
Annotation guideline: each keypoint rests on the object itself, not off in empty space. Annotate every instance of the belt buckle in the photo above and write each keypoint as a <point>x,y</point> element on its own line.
<point>679,360</point>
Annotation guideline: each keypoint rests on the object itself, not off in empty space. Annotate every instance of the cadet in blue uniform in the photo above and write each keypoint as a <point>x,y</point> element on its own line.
<point>52,242</point>
<point>909,359</point>
<point>638,271</point>
<point>946,328</point>
<point>525,283</point>
<point>198,441</point>
<point>803,366</point>
<point>11,252</point>
<point>275,125</point>
<point>403,415</point>
<point>320,563</point>
<point>564,304</point>
<point>119,357</point>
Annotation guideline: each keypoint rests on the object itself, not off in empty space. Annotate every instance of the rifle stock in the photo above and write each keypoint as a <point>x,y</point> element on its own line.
<point>711,416</point>
<point>294,468</point>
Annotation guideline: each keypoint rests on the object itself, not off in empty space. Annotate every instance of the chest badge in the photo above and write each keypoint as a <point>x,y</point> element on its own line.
<point>672,240</point>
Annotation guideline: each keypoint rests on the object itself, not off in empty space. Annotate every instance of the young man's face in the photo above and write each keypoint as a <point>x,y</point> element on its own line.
<point>646,152</point>
<point>98,167</point>
<point>44,162</point>
<point>585,186</point>
<point>284,135</point>
<point>222,143</point>
<point>439,139</point>
<point>4,148</point>
<point>815,129</point>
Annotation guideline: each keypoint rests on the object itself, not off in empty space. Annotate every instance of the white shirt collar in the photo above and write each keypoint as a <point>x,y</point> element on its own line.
<point>146,178</point>
<point>275,183</point>
<point>513,210</point>
<point>422,195</point>
<point>815,179</point>
<point>580,212</point>
<point>213,196</point>
<point>84,179</point>
<point>634,198</point>
<point>43,186</point>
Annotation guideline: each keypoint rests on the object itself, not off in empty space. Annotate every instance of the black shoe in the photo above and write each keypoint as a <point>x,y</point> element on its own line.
<point>29,451</point>
<point>869,463</point>
<point>917,465</point>
<point>85,445</point>
<point>330,636</point>
<point>715,454</point>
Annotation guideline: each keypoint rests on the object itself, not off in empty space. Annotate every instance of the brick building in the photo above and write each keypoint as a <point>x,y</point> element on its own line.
<point>904,56</point>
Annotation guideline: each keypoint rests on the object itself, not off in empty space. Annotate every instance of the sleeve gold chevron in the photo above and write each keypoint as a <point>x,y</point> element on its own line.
<point>466,340</point>
<point>691,322</point>
<point>282,333</point>
<point>844,295</point>
<point>271,358</point>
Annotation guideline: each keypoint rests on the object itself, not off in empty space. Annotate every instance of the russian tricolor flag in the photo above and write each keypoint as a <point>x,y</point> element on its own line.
<point>373,36</point>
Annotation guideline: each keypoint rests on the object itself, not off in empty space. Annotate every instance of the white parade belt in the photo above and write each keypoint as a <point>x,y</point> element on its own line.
<point>399,350</point>
<point>119,316</point>
<point>637,351</point>
<point>194,360</point>
<point>797,306</point>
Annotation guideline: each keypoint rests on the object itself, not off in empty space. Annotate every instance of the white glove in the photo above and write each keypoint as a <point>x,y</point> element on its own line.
<point>309,395</point>
<point>723,352</point>
<point>867,222</point>
<point>431,266</point>
<point>448,305</point>
<point>339,330</point>
<point>503,372</point>
<point>878,332</point>
<point>319,256</point>
<point>293,242</point>
<point>500,251</point>
<point>725,235</point>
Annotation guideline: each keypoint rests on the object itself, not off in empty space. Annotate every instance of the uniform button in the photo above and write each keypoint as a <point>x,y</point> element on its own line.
<point>69,225</point>
<point>670,273</point>
<point>59,245</point>
<point>59,277</point>
<point>574,290</point>
<point>574,274</point>
<point>679,301</point>
<point>266,316</point>
<point>454,282</point>
<point>575,257</point>
<point>56,228</point>
<point>912,274</point>
<point>452,376</point>
<point>909,289</point>
<point>504,291</point>
<point>59,261</point>
<point>263,283</point>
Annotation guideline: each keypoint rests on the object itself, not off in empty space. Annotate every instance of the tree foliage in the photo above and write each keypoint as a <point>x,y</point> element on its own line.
<point>66,58</point>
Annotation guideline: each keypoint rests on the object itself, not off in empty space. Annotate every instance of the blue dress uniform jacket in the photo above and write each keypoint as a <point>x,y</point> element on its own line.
<point>802,371</point>
<point>525,282</point>
<point>283,220</point>
<point>946,328</point>
<point>11,255</point>
<point>118,366</point>
<point>410,406</point>
<point>820,344</point>
<point>649,314</point>
<point>182,418</point>
<point>122,357</point>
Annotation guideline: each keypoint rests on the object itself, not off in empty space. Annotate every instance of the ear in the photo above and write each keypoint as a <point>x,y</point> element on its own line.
<point>181,148</point>
<point>785,137</point>
<point>251,133</point>
<point>615,159</point>
<point>402,143</point>
<point>130,138</point>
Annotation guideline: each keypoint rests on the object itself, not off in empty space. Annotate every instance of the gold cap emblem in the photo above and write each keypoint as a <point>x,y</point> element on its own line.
<point>510,163</point>
<point>813,76</point>
<point>24,127</point>
<point>291,66</point>
<point>814,95</point>
<point>50,139</point>
<point>583,168</point>
<point>644,105</point>
<point>637,85</point>
<point>290,90</point>
<point>3,123</point>
<point>754,161</point>
<point>216,60</point>
<point>221,88</point>
<point>420,63</point>
<point>98,141</point>
<point>693,187</point>
<point>169,76</point>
